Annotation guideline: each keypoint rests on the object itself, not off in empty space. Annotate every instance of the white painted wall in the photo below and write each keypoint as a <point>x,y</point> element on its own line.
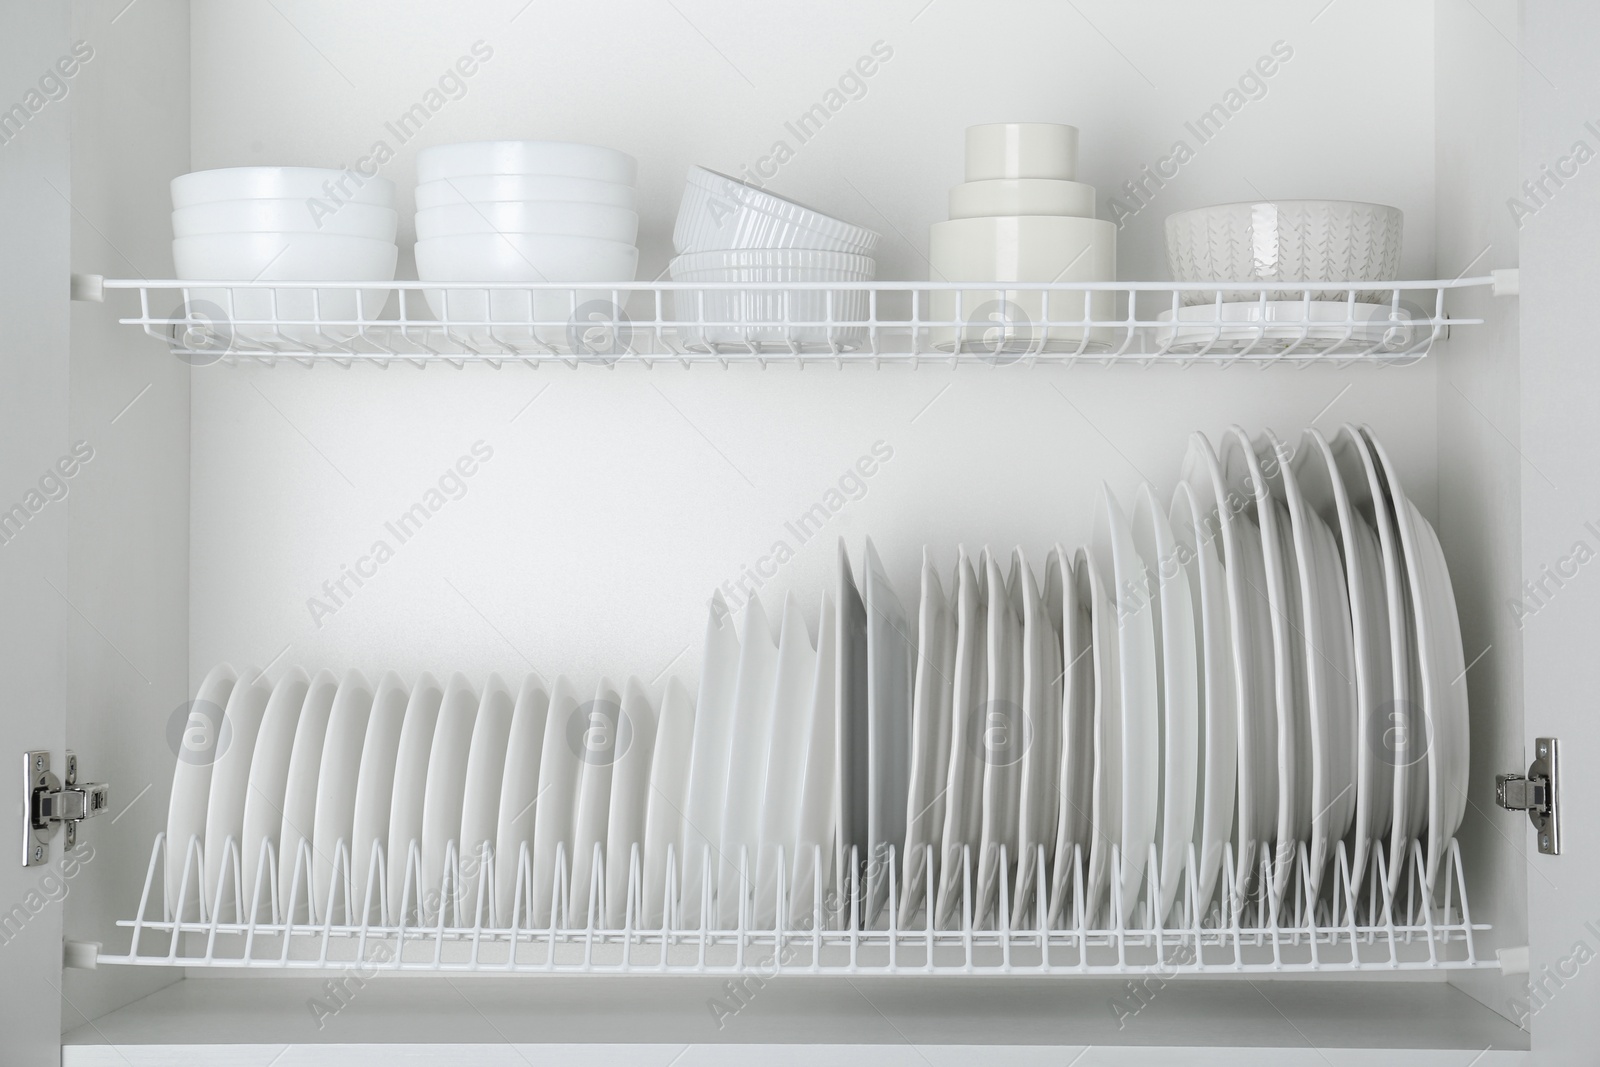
<point>617,501</point>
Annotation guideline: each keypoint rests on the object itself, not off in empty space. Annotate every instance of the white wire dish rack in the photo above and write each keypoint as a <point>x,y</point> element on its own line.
<point>808,925</point>
<point>829,323</point>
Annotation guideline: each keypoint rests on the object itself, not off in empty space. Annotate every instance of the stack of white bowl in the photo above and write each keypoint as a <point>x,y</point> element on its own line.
<point>525,211</point>
<point>290,224</point>
<point>729,231</point>
<point>1287,242</point>
<point>1021,217</point>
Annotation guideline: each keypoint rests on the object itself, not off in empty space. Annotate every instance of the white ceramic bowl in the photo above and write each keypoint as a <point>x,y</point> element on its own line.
<point>281,183</point>
<point>562,158</point>
<point>1286,242</point>
<point>1022,150</point>
<point>1021,196</point>
<point>310,314</point>
<point>494,318</point>
<point>504,188</point>
<point>745,320</point>
<point>1038,249</point>
<point>578,220</point>
<point>285,216</point>
<point>721,212</point>
<point>300,257</point>
<point>525,257</point>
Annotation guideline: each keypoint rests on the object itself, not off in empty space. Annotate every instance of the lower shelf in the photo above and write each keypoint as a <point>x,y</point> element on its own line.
<point>1413,921</point>
<point>253,1021</point>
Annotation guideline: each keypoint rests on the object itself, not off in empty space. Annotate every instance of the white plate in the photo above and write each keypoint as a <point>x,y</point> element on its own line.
<point>747,763</point>
<point>1005,737</point>
<point>789,736</point>
<point>269,773</point>
<point>1172,605</point>
<point>1106,788</point>
<point>1395,735</point>
<point>375,795</point>
<point>597,743</point>
<point>1280,325</point>
<point>1306,756</point>
<point>480,804</point>
<point>891,650</point>
<point>1198,546</point>
<point>410,789</point>
<point>1309,756</point>
<point>1038,803</point>
<point>668,798</point>
<point>1442,668</point>
<point>1247,479</point>
<point>1076,776</point>
<point>443,798</point>
<point>964,779</point>
<point>1222,510</point>
<point>1329,642</point>
<point>1352,512</point>
<point>202,732</point>
<point>336,794</point>
<point>815,834</point>
<point>560,765</point>
<point>519,796</point>
<point>852,778</point>
<point>300,798</point>
<point>1140,702</point>
<point>230,779</point>
<point>1444,694</point>
<point>708,781</point>
<point>1141,712</point>
<point>931,696</point>
<point>630,792</point>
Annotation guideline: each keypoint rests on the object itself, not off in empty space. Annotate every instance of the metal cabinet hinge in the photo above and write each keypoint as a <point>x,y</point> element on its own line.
<point>1538,793</point>
<point>49,802</point>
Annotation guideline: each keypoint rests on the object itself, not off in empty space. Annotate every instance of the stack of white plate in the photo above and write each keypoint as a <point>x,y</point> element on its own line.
<point>330,773</point>
<point>526,211</point>
<point>731,232</point>
<point>1021,217</point>
<point>1267,670</point>
<point>291,224</point>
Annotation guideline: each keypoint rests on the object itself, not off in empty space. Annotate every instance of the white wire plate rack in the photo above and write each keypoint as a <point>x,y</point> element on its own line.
<point>1348,927</point>
<point>831,323</point>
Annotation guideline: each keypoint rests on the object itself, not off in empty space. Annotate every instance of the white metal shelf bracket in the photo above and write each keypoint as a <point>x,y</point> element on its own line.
<point>90,288</point>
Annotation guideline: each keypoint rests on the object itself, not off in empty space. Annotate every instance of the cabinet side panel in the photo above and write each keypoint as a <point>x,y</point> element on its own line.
<point>1480,472</point>
<point>35,618</point>
<point>127,658</point>
<point>1560,86</point>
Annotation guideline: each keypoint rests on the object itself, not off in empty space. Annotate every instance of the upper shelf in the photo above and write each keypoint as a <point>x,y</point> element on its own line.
<point>996,323</point>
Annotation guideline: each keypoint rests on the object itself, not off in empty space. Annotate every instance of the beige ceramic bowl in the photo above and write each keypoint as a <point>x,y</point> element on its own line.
<point>1022,150</point>
<point>1036,249</point>
<point>1021,196</point>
